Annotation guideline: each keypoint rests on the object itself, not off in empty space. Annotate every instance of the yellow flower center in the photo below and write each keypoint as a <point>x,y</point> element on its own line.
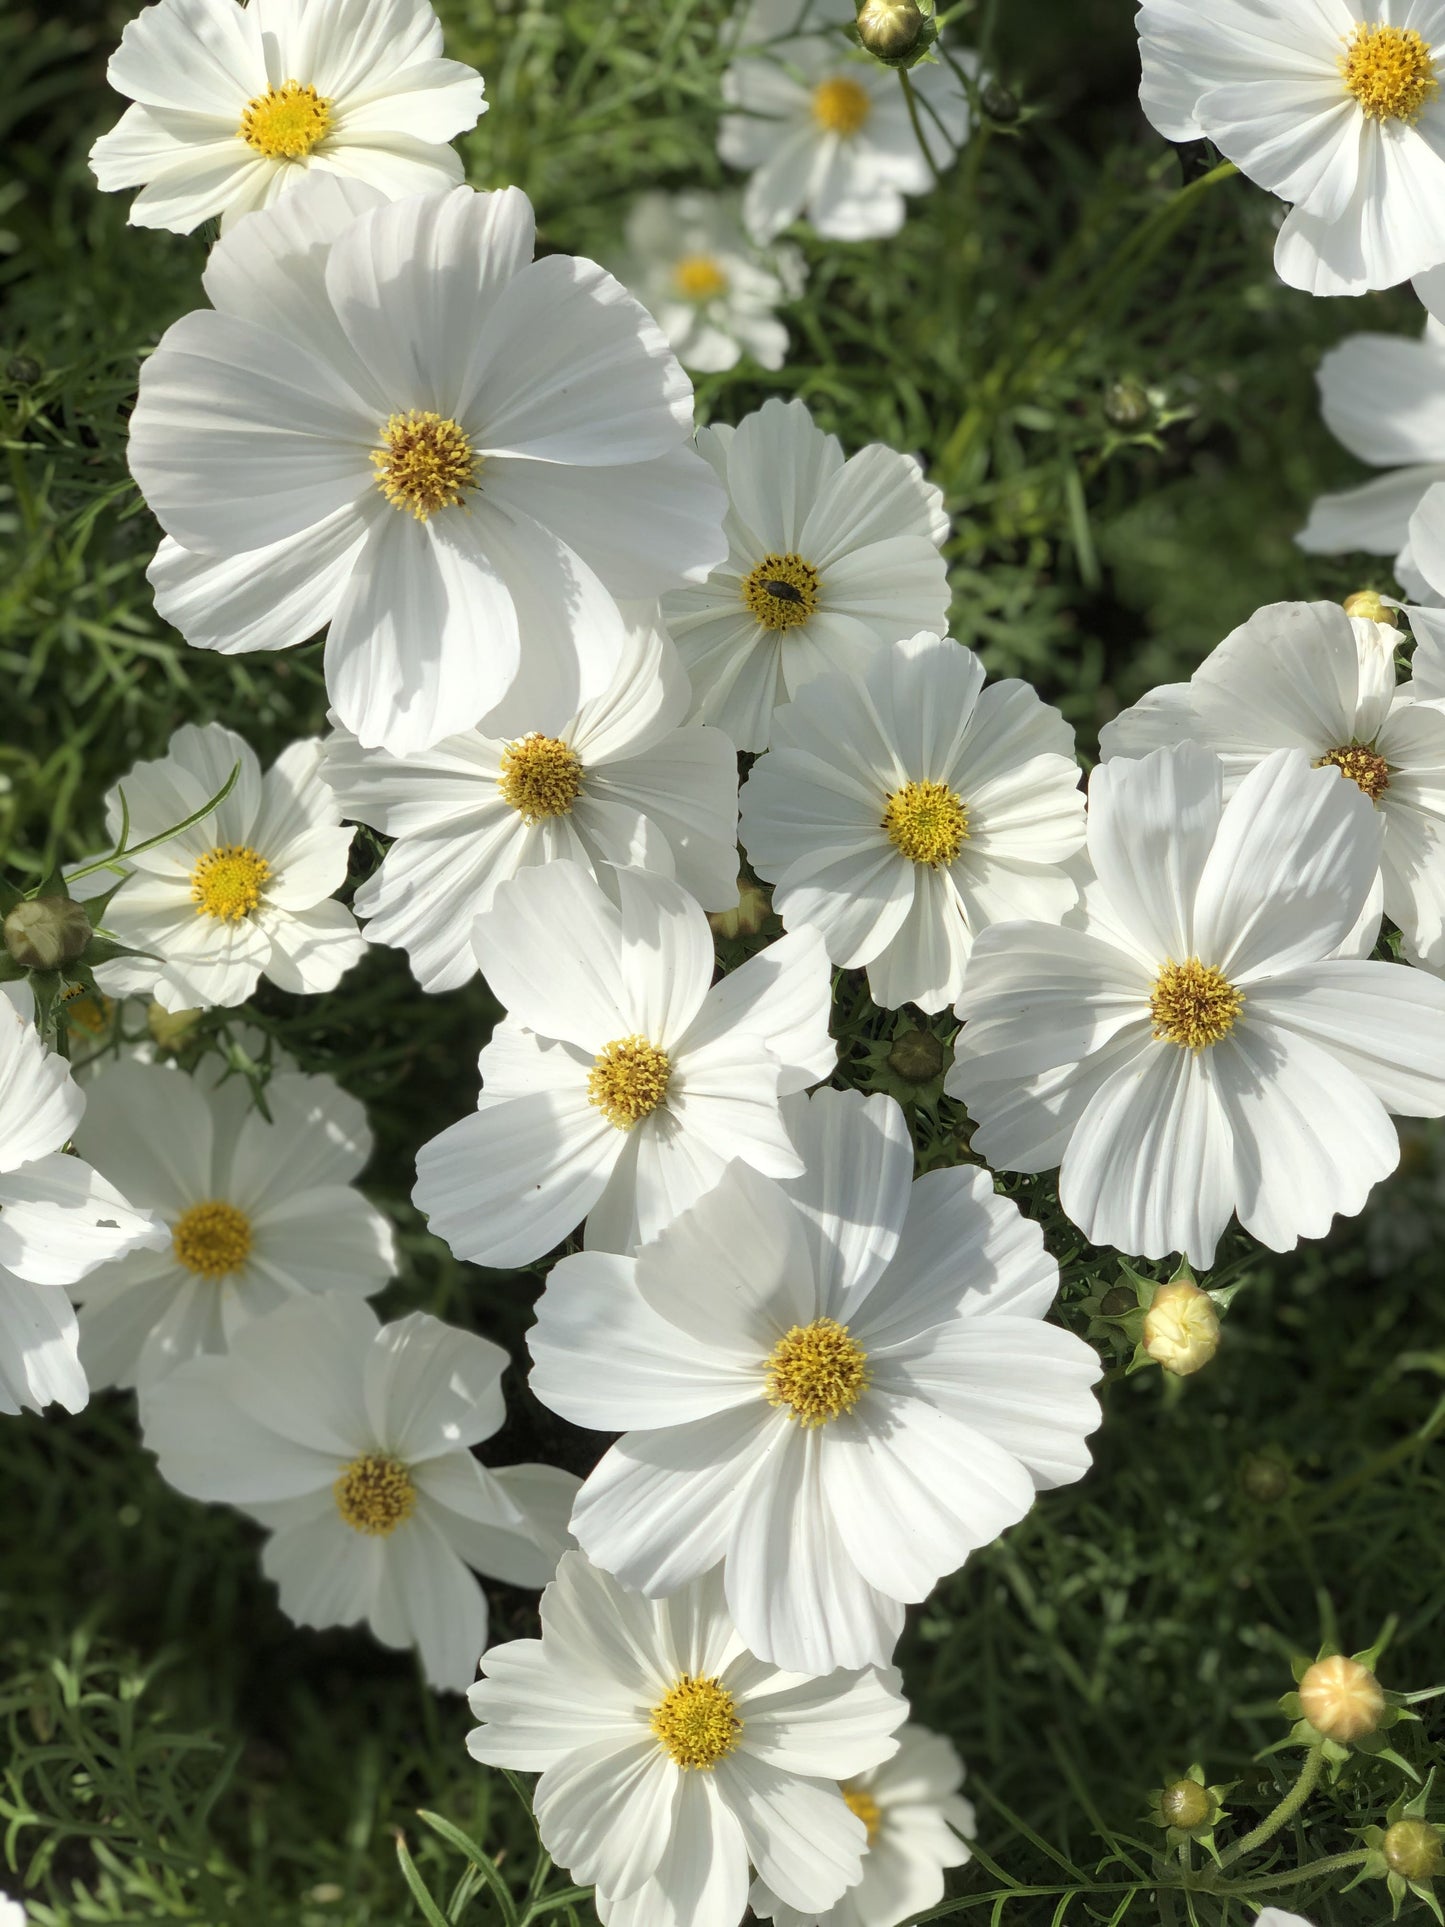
<point>227,882</point>
<point>375,1494</point>
<point>698,277</point>
<point>858,1800</point>
<point>286,122</point>
<point>841,105</point>
<point>628,1080</point>
<point>540,777</point>
<point>212,1239</point>
<point>927,822</point>
<point>1193,1005</point>
<point>817,1371</point>
<point>697,1722</point>
<point>426,462</point>
<point>1362,765</point>
<point>90,1011</point>
<point>1389,70</point>
<point>782,591</point>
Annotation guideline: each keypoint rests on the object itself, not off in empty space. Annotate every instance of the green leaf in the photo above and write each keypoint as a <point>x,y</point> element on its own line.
<point>430,1910</point>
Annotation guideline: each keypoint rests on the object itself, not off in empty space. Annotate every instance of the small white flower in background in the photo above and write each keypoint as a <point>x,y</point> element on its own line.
<point>244,893</point>
<point>711,290</point>
<point>622,781</point>
<point>234,105</point>
<point>622,1080</point>
<point>824,130</point>
<point>1303,675</point>
<point>12,1914</point>
<point>349,1441</point>
<point>1383,396</point>
<point>670,1756</point>
<point>903,812</point>
<point>1277,1917</point>
<point>394,421</point>
<point>834,1389</point>
<point>1334,110</point>
<point>59,1219</point>
<point>918,1823</point>
<point>257,1209</point>
<point>1199,1048</point>
<point>829,560</point>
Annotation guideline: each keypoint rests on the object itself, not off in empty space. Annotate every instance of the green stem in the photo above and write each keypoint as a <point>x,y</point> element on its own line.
<point>912,102</point>
<point>1335,1863</point>
<point>1281,1816</point>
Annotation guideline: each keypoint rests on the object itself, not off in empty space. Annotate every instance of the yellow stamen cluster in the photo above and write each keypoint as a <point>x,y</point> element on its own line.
<point>628,1080</point>
<point>818,1372</point>
<point>782,591</point>
<point>90,1011</point>
<point>286,122</point>
<point>860,1802</point>
<point>698,277</point>
<point>1362,765</point>
<point>697,1722</point>
<point>375,1494</point>
<point>425,463</point>
<point>841,105</point>
<point>212,1239</point>
<point>1389,70</point>
<point>227,882</point>
<point>1193,1005</point>
<point>541,777</point>
<point>927,822</point>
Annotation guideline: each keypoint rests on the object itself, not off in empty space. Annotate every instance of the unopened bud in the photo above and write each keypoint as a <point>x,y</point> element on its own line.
<point>1266,1480</point>
<point>46,933</point>
<point>1118,1301</point>
<point>1127,404</point>
<point>23,371</point>
<point>171,1028</point>
<point>748,918</point>
<point>1187,1805</point>
<point>889,28</point>
<point>1369,607</point>
<point>1181,1328</point>
<point>916,1057</point>
<point>1000,104</point>
<point>1341,1699</point>
<point>1412,1849</point>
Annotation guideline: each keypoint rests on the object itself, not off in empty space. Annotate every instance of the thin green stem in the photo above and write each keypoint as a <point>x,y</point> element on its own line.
<point>1281,1815</point>
<point>911,99</point>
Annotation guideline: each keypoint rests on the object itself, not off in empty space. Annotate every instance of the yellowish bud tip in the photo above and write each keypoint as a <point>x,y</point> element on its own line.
<point>1369,607</point>
<point>748,918</point>
<point>46,933</point>
<point>170,1028</point>
<point>889,28</point>
<point>1412,1849</point>
<point>1187,1805</point>
<point>1341,1699</point>
<point>1181,1328</point>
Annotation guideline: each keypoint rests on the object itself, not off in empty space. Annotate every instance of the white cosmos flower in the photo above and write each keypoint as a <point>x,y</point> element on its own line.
<point>824,129</point>
<point>234,105</point>
<point>1333,105</point>
<point>394,421</point>
<point>1199,1049</point>
<point>12,1914</point>
<point>1383,396</point>
<point>1277,1917</point>
<point>712,291</point>
<point>351,1442</point>
<point>621,781</point>
<point>258,1208</point>
<point>902,812</point>
<point>828,562</point>
<point>622,1080</point>
<point>1303,675</point>
<point>59,1219</point>
<point>836,1388</point>
<point>918,1823</point>
<point>671,1757</point>
<point>244,893</point>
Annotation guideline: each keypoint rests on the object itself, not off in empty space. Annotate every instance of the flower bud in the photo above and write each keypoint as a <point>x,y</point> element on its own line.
<point>1265,1479</point>
<point>1369,607</point>
<point>1341,1699</point>
<point>1181,1328</point>
<point>171,1028</point>
<point>46,933</point>
<point>889,28</point>
<point>748,918</point>
<point>1127,404</point>
<point>23,371</point>
<point>916,1057</point>
<point>1118,1301</point>
<point>1000,104</point>
<point>1412,1849</point>
<point>1187,1805</point>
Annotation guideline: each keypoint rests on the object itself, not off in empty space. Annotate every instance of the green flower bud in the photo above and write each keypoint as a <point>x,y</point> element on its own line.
<point>1341,1699</point>
<point>1412,1849</point>
<point>916,1057</point>
<point>23,371</point>
<point>1187,1805</point>
<point>1127,404</point>
<point>1265,1479</point>
<point>890,28</point>
<point>1000,104</point>
<point>46,933</point>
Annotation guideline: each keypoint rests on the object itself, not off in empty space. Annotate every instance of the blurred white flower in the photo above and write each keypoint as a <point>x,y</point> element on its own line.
<point>902,812</point>
<point>711,290</point>
<point>351,1442</point>
<point>824,130</point>
<point>828,561</point>
<point>621,781</point>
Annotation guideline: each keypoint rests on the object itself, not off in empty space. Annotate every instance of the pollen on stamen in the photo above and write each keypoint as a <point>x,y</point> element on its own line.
<point>425,463</point>
<point>699,277</point>
<point>228,881</point>
<point>782,591</point>
<point>697,1722</point>
<point>628,1080</point>
<point>816,1372</point>
<point>1389,70</point>
<point>841,105</point>
<point>860,1801</point>
<point>286,122</point>
<point>927,822</point>
<point>375,1494</point>
<point>541,777</point>
<point>213,1239</point>
<point>1363,766</point>
<point>1193,1005</point>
